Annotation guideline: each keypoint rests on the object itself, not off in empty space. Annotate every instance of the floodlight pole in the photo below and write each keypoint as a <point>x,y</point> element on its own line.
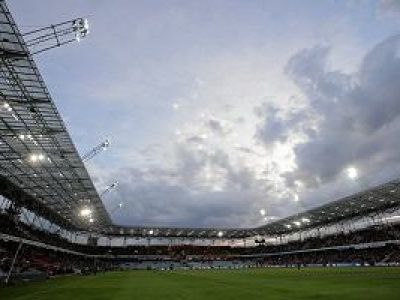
<point>96,150</point>
<point>109,188</point>
<point>13,262</point>
<point>56,35</point>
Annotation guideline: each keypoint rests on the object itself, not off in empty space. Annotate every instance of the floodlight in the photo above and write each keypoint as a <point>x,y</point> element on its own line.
<point>86,25</point>
<point>105,144</point>
<point>151,232</point>
<point>296,197</point>
<point>81,28</point>
<point>262,212</point>
<point>37,157</point>
<point>352,173</point>
<point>220,234</point>
<point>91,220</point>
<point>297,223</point>
<point>85,212</point>
<point>288,226</point>
<point>33,158</point>
<point>6,106</point>
<point>305,220</point>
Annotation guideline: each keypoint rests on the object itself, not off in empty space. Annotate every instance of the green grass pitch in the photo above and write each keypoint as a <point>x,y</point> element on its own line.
<point>307,283</point>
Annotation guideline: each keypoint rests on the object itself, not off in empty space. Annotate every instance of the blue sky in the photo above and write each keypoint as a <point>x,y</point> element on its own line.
<point>227,113</point>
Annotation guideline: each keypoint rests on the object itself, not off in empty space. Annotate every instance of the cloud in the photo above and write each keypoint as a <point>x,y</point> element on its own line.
<point>220,127</point>
<point>350,119</point>
<point>338,119</point>
<point>200,191</point>
<point>196,139</point>
<point>389,7</point>
<point>312,127</point>
<point>279,124</point>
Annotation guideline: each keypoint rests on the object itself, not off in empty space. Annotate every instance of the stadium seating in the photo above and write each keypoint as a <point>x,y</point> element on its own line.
<point>48,254</point>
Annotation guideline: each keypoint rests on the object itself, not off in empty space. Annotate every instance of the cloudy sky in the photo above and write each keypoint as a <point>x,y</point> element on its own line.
<point>227,113</point>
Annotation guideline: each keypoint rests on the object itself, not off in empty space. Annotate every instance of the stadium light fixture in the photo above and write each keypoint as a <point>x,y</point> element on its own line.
<point>288,226</point>
<point>34,157</point>
<point>24,137</point>
<point>96,150</point>
<point>5,107</point>
<point>56,35</point>
<point>297,223</point>
<point>305,220</point>
<point>220,234</point>
<point>91,220</point>
<point>85,212</point>
<point>151,232</point>
<point>105,144</point>
<point>81,28</point>
<point>352,172</point>
<point>262,212</point>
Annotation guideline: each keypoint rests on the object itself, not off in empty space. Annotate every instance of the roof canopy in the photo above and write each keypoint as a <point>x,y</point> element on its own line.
<point>37,155</point>
<point>372,201</point>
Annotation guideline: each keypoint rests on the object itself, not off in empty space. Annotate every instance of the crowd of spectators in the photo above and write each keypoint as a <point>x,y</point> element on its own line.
<point>387,255</point>
<point>10,224</point>
<point>317,250</point>
<point>371,234</point>
<point>33,262</point>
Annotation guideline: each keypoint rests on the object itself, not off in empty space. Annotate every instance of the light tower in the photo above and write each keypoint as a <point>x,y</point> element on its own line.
<point>109,188</point>
<point>56,35</point>
<point>96,150</point>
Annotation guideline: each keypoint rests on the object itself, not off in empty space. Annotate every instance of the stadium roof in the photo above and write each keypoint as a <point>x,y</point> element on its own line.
<point>37,156</point>
<point>372,201</point>
<point>41,168</point>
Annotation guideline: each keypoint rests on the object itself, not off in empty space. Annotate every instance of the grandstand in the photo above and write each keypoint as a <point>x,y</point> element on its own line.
<point>53,221</point>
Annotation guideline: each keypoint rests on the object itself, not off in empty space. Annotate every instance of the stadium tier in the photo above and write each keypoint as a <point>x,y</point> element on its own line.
<point>53,221</point>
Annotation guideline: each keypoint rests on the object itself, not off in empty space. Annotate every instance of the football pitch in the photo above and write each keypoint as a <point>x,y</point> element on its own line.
<point>307,283</point>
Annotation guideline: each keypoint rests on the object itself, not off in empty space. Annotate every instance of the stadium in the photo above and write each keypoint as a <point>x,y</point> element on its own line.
<point>227,219</point>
